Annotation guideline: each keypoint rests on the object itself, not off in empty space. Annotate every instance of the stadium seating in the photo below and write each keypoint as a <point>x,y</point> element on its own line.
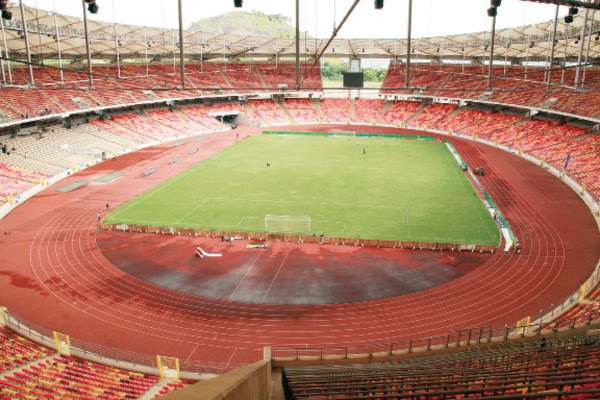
<point>367,111</point>
<point>57,149</point>
<point>156,81</point>
<point>586,309</point>
<point>69,377</point>
<point>118,130</point>
<point>268,111</point>
<point>207,77</point>
<point>242,76</point>
<point>302,110</point>
<point>31,371</point>
<point>544,368</point>
<point>487,127</point>
<point>146,127</point>
<point>200,114</point>
<point>178,121</point>
<point>30,103</point>
<point>285,74</point>
<point>171,386</point>
<point>432,114</point>
<point>399,112</point>
<point>511,136</point>
<point>335,110</point>
<point>464,118</point>
<point>16,351</point>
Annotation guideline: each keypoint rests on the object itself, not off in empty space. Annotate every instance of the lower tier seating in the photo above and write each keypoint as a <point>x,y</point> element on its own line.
<point>546,368</point>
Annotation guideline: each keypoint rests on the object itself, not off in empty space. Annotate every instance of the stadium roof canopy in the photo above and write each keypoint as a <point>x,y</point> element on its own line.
<point>48,32</point>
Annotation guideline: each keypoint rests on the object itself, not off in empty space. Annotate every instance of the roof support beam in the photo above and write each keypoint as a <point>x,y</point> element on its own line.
<point>87,46</point>
<point>333,35</point>
<point>57,38</point>
<point>581,43</point>
<point>298,45</point>
<point>594,4</point>
<point>587,53</point>
<point>491,65</point>
<point>117,51</point>
<point>181,60</point>
<point>26,37</point>
<point>408,38</point>
<point>552,50</point>
<point>10,80</point>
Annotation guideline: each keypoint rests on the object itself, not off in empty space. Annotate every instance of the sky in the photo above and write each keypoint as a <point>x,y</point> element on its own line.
<point>430,17</point>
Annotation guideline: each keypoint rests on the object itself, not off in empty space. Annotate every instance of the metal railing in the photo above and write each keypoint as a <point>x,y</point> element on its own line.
<point>454,339</point>
<point>83,348</point>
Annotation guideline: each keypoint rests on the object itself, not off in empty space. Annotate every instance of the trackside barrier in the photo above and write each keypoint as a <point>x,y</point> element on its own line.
<point>147,363</point>
<point>570,301</point>
<point>130,360</point>
<point>295,238</point>
<point>501,221</point>
<point>454,339</point>
<point>353,134</point>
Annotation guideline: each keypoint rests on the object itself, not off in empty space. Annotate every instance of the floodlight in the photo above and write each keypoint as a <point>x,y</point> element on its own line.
<point>92,6</point>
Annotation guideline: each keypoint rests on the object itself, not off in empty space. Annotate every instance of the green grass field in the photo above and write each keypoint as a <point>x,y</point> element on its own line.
<point>399,190</point>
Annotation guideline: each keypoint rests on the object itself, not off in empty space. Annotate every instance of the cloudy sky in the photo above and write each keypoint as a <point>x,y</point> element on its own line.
<point>430,17</point>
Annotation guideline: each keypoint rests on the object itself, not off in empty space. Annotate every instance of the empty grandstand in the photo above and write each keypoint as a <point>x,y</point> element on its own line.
<point>96,113</point>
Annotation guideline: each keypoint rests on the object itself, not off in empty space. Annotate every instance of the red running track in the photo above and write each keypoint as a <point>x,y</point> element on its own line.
<point>54,274</point>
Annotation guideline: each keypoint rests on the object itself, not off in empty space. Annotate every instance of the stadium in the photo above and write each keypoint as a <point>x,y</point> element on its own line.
<point>193,210</point>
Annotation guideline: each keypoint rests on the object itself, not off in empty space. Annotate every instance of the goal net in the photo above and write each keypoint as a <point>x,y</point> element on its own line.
<point>287,224</point>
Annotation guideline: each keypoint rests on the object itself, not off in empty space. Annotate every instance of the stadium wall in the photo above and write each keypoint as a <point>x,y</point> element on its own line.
<point>252,382</point>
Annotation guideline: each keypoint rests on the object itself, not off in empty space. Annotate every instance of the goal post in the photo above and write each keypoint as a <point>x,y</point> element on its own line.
<point>288,223</point>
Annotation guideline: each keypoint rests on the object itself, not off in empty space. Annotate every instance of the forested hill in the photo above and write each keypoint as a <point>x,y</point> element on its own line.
<point>244,23</point>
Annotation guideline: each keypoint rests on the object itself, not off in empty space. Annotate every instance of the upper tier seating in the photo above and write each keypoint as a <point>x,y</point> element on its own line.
<point>242,76</point>
<point>285,74</point>
<point>566,367</point>
<point>155,81</point>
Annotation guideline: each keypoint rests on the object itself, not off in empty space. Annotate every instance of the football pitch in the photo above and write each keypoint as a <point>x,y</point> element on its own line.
<point>351,187</point>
